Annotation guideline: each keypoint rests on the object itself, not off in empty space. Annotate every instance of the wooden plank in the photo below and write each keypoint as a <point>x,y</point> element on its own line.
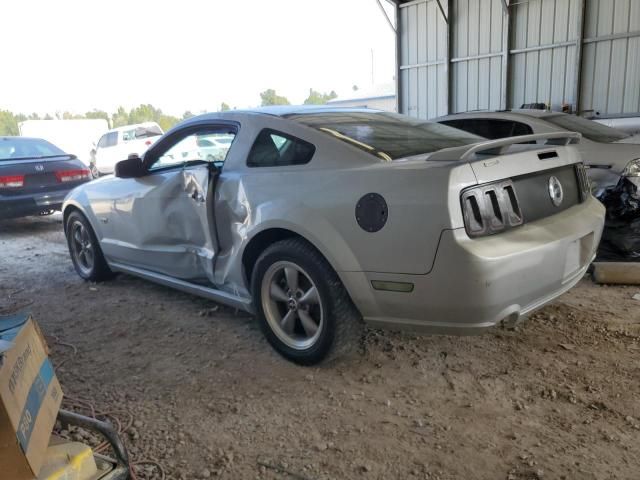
<point>622,273</point>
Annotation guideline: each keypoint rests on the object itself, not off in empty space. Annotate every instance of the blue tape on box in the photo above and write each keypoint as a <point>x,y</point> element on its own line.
<point>10,325</point>
<point>36,395</point>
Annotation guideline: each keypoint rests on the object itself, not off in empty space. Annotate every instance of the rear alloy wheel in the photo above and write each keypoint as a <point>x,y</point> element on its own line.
<point>303,308</point>
<point>291,305</point>
<point>84,249</point>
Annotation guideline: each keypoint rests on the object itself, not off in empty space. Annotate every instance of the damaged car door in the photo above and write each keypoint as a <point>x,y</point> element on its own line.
<point>164,219</point>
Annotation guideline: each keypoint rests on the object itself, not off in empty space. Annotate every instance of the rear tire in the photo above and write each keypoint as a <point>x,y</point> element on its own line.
<point>302,306</point>
<point>85,250</point>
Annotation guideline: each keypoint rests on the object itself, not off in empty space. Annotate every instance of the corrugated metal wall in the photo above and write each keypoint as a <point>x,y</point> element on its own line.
<point>544,36</point>
<point>423,60</point>
<point>611,57</point>
<point>476,54</point>
<point>544,40</point>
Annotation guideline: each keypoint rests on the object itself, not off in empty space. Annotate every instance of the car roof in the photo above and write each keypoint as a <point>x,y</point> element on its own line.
<point>13,137</point>
<point>278,111</point>
<point>506,113</point>
<point>281,111</point>
<point>19,138</point>
<point>536,113</point>
<point>134,125</point>
<point>284,110</point>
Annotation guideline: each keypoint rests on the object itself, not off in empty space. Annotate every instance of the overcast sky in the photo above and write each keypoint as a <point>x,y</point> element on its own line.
<point>77,55</point>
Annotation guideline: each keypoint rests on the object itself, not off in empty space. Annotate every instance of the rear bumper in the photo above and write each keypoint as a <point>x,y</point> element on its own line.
<point>33,204</point>
<point>478,283</point>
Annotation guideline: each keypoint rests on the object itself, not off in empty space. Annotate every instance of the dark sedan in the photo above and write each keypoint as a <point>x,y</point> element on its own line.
<point>35,176</point>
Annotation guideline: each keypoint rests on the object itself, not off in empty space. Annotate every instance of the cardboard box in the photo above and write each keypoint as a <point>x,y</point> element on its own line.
<point>30,398</point>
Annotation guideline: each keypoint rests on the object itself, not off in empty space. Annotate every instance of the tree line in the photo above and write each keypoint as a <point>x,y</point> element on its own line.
<point>146,113</point>
<point>142,113</point>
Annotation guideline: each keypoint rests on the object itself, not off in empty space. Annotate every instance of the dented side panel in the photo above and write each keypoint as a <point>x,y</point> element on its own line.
<point>158,222</point>
<point>320,206</point>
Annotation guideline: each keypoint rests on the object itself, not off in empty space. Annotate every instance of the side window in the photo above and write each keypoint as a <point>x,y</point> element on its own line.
<point>276,149</point>
<point>102,142</point>
<point>112,139</point>
<point>204,146</point>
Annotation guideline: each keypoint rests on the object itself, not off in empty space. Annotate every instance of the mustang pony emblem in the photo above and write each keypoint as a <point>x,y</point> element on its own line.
<point>555,191</point>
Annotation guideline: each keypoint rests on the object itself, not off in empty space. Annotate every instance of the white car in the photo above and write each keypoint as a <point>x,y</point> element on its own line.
<point>117,144</point>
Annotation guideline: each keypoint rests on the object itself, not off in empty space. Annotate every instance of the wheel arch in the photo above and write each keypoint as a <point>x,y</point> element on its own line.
<point>272,234</point>
<point>71,206</point>
<point>67,210</point>
<point>260,242</point>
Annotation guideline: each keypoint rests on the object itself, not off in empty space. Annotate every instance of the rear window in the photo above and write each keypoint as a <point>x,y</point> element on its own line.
<point>278,149</point>
<point>388,136</point>
<point>588,128</point>
<point>16,148</point>
<point>490,128</point>
<point>149,131</point>
<point>141,132</point>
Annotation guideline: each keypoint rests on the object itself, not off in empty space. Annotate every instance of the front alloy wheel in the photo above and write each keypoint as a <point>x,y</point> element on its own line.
<point>84,249</point>
<point>81,247</point>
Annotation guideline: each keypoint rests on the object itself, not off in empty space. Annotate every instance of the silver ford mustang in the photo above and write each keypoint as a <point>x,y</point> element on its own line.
<point>315,219</point>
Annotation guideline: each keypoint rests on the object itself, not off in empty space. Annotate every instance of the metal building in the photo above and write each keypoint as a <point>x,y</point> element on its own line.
<point>462,55</point>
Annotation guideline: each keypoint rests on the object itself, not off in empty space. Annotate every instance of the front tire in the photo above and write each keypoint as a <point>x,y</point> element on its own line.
<point>302,306</point>
<point>85,250</point>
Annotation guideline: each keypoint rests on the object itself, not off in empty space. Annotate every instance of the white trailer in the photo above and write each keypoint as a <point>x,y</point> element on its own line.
<point>77,137</point>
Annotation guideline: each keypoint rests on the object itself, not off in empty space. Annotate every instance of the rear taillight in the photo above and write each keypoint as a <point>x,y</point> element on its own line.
<point>583,181</point>
<point>12,181</point>
<point>72,175</point>
<point>147,143</point>
<point>490,208</point>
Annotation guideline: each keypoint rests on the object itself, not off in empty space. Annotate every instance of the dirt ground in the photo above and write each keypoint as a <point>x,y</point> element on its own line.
<point>199,391</point>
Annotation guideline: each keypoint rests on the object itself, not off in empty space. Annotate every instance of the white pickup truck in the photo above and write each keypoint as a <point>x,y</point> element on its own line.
<point>117,144</point>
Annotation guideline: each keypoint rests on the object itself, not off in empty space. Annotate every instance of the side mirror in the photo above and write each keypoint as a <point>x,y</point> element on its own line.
<point>132,167</point>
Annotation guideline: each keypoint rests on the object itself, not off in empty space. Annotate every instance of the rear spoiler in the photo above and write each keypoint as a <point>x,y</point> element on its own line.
<point>499,147</point>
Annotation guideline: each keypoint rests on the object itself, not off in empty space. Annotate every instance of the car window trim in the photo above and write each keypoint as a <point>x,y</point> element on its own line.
<point>288,136</point>
<point>172,137</point>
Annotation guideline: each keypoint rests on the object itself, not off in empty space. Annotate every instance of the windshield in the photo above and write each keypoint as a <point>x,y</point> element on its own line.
<point>388,136</point>
<point>588,128</point>
<point>15,148</point>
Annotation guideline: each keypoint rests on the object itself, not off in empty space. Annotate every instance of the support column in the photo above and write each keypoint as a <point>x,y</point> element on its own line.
<point>506,46</point>
<point>577,87</point>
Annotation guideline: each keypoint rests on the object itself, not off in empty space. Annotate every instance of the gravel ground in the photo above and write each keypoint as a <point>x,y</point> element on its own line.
<point>197,389</point>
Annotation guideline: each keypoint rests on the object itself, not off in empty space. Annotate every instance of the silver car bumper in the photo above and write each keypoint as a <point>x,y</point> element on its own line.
<point>477,283</point>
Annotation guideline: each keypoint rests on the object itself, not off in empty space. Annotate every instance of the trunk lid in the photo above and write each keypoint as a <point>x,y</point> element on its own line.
<point>40,174</point>
<point>522,160</point>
